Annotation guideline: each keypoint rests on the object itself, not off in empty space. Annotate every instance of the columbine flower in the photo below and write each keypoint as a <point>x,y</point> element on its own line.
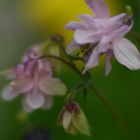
<point>33,79</point>
<point>104,34</point>
<point>73,119</point>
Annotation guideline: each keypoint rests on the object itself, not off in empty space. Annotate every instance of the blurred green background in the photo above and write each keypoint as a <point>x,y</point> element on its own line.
<point>24,23</point>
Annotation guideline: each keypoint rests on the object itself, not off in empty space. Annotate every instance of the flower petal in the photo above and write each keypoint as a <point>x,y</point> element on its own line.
<point>81,124</point>
<point>67,120</point>
<point>126,53</point>
<point>93,61</point>
<point>72,47</point>
<point>74,26</point>
<point>19,70</point>
<point>108,65</point>
<point>99,8</point>
<point>89,22</point>
<point>117,18</point>
<point>52,86</point>
<point>8,93</point>
<point>22,86</point>
<point>84,37</point>
<point>35,99</point>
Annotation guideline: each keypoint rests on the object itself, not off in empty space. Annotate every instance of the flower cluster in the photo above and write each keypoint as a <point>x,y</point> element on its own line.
<point>33,80</point>
<point>103,34</point>
<point>94,36</point>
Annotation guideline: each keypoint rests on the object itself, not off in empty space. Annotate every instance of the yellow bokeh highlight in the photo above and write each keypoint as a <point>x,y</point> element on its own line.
<point>51,15</point>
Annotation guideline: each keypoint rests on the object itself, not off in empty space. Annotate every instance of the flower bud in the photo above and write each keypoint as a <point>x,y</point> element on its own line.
<point>129,10</point>
<point>73,119</point>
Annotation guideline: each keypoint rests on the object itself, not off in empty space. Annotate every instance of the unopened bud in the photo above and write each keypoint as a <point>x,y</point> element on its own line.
<point>73,119</point>
<point>129,11</point>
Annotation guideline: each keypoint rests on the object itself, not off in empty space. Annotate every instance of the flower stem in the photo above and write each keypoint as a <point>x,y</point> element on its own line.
<point>63,61</point>
<point>86,82</point>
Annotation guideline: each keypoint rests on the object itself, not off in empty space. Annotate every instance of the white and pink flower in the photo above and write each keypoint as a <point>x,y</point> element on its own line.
<point>104,35</point>
<point>34,81</point>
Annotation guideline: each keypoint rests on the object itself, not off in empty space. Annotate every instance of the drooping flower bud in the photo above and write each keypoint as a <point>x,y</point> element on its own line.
<point>73,119</point>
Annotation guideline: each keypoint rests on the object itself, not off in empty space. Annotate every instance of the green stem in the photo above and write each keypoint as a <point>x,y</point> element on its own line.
<point>63,61</point>
<point>86,82</point>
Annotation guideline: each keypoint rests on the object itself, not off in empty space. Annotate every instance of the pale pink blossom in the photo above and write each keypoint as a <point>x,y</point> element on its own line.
<point>34,81</point>
<point>104,34</point>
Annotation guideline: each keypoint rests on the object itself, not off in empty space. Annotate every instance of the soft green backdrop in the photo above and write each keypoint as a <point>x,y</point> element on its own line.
<point>122,86</point>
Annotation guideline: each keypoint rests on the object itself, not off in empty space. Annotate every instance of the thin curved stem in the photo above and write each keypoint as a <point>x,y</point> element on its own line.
<point>63,61</point>
<point>86,82</point>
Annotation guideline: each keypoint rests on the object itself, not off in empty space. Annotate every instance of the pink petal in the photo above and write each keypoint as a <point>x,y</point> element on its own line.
<point>126,29</point>
<point>117,18</point>
<point>52,86</point>
<point>19,70</point>
<point>74,26</point>
<point>72,47</point>
<point>22,86</point>
<point>93,61</point>
<point>35,99</point>
<point>8,93</point>
<point>108,65</point>
<point>99,8</point>
<point>107,24</point>
<point>126,53</point>
<point>89,21</point>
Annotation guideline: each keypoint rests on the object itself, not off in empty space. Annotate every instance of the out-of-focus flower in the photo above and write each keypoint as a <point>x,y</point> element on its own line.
<point>104,34</point>
<point>37,134</point>
<point>73,119</point>
<point>33,79</point>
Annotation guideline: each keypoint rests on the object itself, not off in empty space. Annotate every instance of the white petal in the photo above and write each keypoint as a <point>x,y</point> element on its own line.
<point>84,36</point>
<point>126,53</point>
<point>8,93</point>
<point>67,119</point>
<point>52,86</point>
<point>35,99</point>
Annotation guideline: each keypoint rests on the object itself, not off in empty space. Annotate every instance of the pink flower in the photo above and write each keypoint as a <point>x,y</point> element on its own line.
<point>33,79</point>
<point>104,35</point>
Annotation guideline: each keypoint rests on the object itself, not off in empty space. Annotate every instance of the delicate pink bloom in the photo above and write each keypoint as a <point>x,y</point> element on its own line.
<point>33,79</point>
<point>104,35</point>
